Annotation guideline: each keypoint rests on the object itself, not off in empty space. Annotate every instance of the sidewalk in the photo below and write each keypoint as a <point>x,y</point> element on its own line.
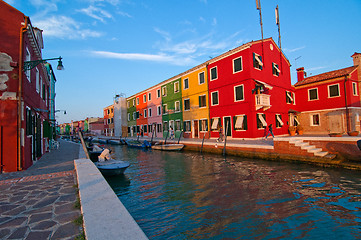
<point>38,203</point>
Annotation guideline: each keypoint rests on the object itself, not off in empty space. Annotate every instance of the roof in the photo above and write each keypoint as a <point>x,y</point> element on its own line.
<point>326,76</point>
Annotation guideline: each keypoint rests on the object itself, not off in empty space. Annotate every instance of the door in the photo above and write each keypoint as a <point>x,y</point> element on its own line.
<point>195,128</point>
<point>227,126</point>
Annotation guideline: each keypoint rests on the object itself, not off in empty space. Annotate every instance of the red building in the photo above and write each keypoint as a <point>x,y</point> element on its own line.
<point>330,102</point>
<point>24,92</point>
<point>108,115</point>
<point>250,88</point>
<point>142,113</point>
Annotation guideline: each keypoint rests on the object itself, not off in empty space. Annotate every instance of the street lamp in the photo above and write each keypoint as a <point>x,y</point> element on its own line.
<point>60,111</point>
<point>28,65</point>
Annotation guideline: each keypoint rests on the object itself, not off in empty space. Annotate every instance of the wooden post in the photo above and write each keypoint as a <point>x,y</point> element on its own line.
<point>83,143</point>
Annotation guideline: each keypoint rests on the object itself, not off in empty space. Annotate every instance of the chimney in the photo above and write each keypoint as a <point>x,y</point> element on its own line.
<point>357,62</point>
<point>300,74</point>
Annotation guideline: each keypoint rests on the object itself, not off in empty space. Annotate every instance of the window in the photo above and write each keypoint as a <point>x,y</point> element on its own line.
<point>145,113</point>
<point>150,128</point>
<point>137,100</point>
<point>279,122</point>
<point>187,104</point>
<point>214,73</point>
<point>275,70</point>
<point>216,123</point>
<point>134,115</point>
<point>108,111</point>
<point>165,126</point>
<point>187,126</point>
<point>261,120</point>
<point>149,112</point>
<point>176,87</point>
<point>128,116</point>
<point>238,93</point>
<point>312,94</point>
<point>237,65</point>
<point>315,119</point>
<point>185,83</point>
<point>177,126</point>
<point>240,122</point>
<point>37,83</point>
<point>354,88</point>
<point>133,102</point>
<point>128,104</point>
<point>159,127</point>
<point>137,113</point>
<point>138,129</point>
<point>333,91</point>
<point>203,125</point>
<point>149,96</point>
<point>177,106</point>
<point>27,58</point>
<point>290,97</point>
<point>257,61</point>
<point>202,101</point>
<point>158,93</point>
<point>215,100</point>
<point>165,109</point>
<point>145,128</point>
<point>144,98</point>
<point>159,110</point>
<point>164,91</point>
<point>201,78</point>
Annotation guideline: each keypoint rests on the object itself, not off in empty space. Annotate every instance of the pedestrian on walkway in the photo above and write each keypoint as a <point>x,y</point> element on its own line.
<point>171,133</point>
<point>221,135</point>
<point>105,155</point>
<point>270,131</point>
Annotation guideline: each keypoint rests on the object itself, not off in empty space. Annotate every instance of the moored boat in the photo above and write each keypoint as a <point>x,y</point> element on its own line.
<point>137,144</point>
<point>112,167</point>
<point>168,147</point>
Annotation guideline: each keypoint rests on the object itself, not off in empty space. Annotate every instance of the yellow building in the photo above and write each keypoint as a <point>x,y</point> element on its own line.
<point>195,102</point>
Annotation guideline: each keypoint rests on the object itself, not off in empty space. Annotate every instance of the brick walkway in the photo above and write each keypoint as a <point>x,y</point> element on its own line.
<point>41,206</point>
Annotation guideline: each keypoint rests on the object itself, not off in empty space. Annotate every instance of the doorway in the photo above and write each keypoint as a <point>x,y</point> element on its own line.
<point>227,126</point>
<point>195,128</point>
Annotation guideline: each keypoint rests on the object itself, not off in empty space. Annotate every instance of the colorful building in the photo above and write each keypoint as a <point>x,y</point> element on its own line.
<point>195,102</point>
<point>330,102</point>
<point>24,92</point>
<point>132,116</point>
<point>108,115</point>
<point>154,105</point>
<point>142,113</point>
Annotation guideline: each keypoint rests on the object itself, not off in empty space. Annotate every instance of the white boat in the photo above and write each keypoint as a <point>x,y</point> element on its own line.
<point>112,167</point>
<point>168,147</point>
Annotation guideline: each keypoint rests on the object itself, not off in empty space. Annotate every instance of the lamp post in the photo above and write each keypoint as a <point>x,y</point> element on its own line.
<point>28,65</point>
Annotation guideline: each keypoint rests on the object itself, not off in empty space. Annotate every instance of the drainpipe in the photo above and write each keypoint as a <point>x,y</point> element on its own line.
<point>346,106</point>
<point>209,105</point>
<point>20,89</point>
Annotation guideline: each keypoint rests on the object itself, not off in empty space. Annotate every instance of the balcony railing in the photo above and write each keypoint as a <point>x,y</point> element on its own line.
<point>263,101</point>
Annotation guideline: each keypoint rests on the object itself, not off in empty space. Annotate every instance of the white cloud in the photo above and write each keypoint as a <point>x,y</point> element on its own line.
<point>96,13</point>
<point>293,49</point>
<point>64,27</point>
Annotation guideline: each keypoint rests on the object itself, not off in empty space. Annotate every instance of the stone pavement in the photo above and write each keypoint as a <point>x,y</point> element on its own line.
<point>38,203</point>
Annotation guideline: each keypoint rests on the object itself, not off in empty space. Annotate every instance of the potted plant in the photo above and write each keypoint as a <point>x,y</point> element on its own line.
<point>292,130</point>
<point>353,133</point>
<point>299,129</point>
<point>335,134</point>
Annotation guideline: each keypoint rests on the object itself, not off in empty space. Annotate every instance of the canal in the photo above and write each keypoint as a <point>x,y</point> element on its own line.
<point>186,195</point>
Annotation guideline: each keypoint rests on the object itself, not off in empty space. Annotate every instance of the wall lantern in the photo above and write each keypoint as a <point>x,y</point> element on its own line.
<point>28,65</point>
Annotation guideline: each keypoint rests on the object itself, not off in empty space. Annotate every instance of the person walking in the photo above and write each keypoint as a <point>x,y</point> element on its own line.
<point>270,131</point>
<point>171,133</point>
<point>221,135</point>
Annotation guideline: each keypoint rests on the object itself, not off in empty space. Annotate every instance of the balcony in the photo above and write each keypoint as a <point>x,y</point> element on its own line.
<point>263,101</point>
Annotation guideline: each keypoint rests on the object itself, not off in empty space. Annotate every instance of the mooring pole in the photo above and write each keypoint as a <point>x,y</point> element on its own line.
<point>180,135</point>
<point>225,140</point>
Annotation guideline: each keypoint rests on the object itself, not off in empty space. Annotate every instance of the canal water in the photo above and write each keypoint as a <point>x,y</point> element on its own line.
<point>186,195</point>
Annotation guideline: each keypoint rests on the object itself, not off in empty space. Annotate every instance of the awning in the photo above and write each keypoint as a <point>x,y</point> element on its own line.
<point>239,122</point>
<point>293,111</point>
<point>215,123</point>
<point>279,120</point>
<point>263,121</point>
<point>276,67</point>
<point>297,121</point>
<point>289,95</point>
<point>264,84</point>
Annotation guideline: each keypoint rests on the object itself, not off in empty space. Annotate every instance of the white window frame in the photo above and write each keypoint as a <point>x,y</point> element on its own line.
<point>311,120</point>
<point>178,121</point>
<point>149,96</point>
<point>159,93</point>
<point>144,98</point>
<point>137,101</point>
<point>354,89</point>
<point>159,110</point>
<point>200,123</point>
<point>212,98</point>
<point>214,128</point>
<point>175,106</point>
<point>279,120</point>
<point>199,78</point>
<point>128,104</point>
<point>263,121</point>
<point>328,90</point>
<point>275,66</point>
<point>164,91</point>
<point>190,126</point>
<point>149,112</point>
<point>205,101</point>
<point>210,70</point>
<point>241,64</point>
<point>242,117</point>
<point>145,113</point>
<point>184,83</point>
<point>176,87</point>
<point>235,97</point>
<point>37,80</point>
<point>165,109</point>
<point>133,102</point>
<point>259,61</point>
<point>28,58</point>
<point>309,95</point>
<point>128,116</point>
<point>184,105</point>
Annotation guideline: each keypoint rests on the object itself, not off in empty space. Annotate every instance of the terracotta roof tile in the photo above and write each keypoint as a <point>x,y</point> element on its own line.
<point>326,76</point>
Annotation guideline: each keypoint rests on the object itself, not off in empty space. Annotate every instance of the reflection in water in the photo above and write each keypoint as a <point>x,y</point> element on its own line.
<point>182,195</point>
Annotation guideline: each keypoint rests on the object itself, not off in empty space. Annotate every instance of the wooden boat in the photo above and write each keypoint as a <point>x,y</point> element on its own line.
<point>359,144</point>
<point>93,155</point>
<point>137,144</point>
<point>112,167</point>
<point>114,142</point>
<point>168,147</point>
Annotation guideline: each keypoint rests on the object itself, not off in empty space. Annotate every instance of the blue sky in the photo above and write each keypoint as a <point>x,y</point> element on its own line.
<point>125,46</point>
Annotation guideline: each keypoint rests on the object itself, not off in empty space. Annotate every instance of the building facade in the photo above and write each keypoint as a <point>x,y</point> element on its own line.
<point>108,115</point>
